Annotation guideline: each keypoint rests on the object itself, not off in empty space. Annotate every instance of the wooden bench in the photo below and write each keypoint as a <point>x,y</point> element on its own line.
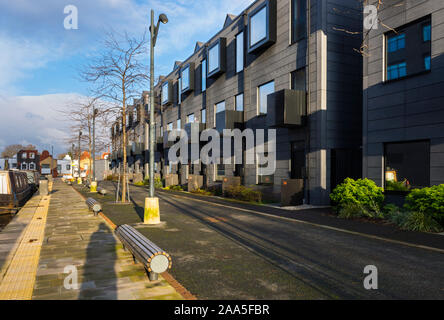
<point>94,205</point>
<point>154,259</point>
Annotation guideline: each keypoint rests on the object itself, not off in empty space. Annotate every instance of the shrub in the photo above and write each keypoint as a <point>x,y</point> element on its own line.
<point>419,221</point>
<point>202,192</point>
<point>350,210</point>
<point>110,178</point>
<point>363,193</point>
<point>243,193</point>
<point>429,201</point>
<point>397,186</point>
<point>174,188</point>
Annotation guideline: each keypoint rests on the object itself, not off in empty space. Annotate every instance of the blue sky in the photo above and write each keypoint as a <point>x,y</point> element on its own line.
<point>39,59</point>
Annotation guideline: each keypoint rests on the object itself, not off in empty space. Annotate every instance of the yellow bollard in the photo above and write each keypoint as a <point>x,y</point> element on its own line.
<point>152,212</point>
<point>79,181</point>
<point>93,187</point>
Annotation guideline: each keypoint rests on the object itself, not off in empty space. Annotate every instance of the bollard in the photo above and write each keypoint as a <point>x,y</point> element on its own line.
<point>102,191</point>
<point>93,187</point>
<point>79,181</point>
<point>152,213</point>
<point>93,205</point>
<point>43,187</point>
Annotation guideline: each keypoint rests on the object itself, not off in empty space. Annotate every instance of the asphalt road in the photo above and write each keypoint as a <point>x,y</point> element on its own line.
<point>221,252</point>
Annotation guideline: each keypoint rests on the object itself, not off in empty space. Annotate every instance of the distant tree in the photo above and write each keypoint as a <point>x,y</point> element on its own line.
<point>13,149</point>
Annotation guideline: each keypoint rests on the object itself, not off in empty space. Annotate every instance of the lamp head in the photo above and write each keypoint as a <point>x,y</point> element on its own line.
<point>163,18</point>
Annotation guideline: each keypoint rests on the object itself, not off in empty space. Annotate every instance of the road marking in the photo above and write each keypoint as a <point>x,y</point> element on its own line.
<point>318,225</point>
<point>18,282</point>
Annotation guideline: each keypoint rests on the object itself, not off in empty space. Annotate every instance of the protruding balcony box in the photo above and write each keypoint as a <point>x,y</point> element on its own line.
<point>286,108</point>
<point>229,119</point>
<point>171,180</point>
<point>292,192</point>
<point>270,27</point>
<point>220,45</point>
<point>195,182</point>
<point>166,96</point>
<point>189,70</point>
<point>230,182</point>
<point>199,127</point>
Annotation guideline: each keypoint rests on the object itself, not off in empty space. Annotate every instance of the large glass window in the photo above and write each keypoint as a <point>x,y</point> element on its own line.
<point>396,42</point>
<point>263,91</point>
<point>178,124</point>
<point>240,102</point>
<point>427,62</point>
<point>165,98</point>
<point>179,93</point>
<point>203,116</point>
<point>298,20</point>
<point>396,71</point>
<point>170,126</point>
<point>298,80</point>
<point>185,79</point>
<point>258,26</point>
<point>240,52</point>
<point>407,165</point>
<point>204,75</point>
<point>213,58</point>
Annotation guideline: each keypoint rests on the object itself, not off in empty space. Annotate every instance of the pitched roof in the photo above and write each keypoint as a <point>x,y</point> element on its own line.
<point>199,45</point>
<point>229,19</point>
<point>177,65</point>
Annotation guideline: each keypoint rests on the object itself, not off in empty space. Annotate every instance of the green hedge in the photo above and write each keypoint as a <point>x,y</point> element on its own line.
<point>354,195</point>
<point>429,201</point>
<point>243,193</point>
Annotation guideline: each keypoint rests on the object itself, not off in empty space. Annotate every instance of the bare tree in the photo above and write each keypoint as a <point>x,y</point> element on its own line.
<point>118,73</point>
<point>81,116</point>
<point>11,150</point>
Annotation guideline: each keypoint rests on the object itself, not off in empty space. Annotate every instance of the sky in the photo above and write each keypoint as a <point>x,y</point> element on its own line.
<point>40,59</point>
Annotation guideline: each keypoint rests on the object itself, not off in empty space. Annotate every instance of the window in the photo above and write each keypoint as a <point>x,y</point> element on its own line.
<point>220,170</point>
<point>396,42</point>
<point>203,116</point>
<point>24,155</point>
<point>32,166</point>
<point>240,52</point>
<point>59,168</point>
<point>68,167</point>
<point>213,58</point>
<point>427,32</point>
<point>220,107</point>
<point>262,26</point>
<point>178,124</point>
<point>258,26</point>
<point>165,97</point>
<point>24,166</point>
<point>204,75</point>
<point>407,163</point>
<point>185,84</point>
<point>240,102</point>
<point>190,118</point>
<point>32,155</point>
<point>263,91</point>
<point>298,20</point>
<point>179,93</point>
<point>170,126</point>
<point>427,62</point>
<point>396,71</point>
<point>161,131</point>
<point>298,80</point>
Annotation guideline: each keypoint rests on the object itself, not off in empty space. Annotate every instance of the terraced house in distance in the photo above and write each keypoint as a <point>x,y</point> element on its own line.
<point>404,95</point>
<point>280,64</point>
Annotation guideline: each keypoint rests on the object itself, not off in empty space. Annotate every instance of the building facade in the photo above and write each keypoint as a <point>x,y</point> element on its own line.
<point>28,160</point>
<point>283,65</point>
<point>403,129</point>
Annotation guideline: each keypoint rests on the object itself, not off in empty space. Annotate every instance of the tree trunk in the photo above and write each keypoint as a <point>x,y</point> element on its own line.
<point>124,146</point>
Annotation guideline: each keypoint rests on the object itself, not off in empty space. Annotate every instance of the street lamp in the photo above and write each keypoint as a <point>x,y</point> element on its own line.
<point>95,112</point>
<point>78,165</point>
<point>152,215</point>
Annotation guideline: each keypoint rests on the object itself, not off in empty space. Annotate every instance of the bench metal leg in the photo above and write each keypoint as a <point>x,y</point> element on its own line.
<point>153,276</point>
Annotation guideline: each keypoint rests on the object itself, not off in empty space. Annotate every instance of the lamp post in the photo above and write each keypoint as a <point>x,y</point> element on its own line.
<point>146,135</point>
<point>95,112</point>
<point>78,165</point>
<point>152,214</point>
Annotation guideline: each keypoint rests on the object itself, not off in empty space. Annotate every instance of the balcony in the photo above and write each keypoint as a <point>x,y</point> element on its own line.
<point>286,108</point>
<point>229,119</point>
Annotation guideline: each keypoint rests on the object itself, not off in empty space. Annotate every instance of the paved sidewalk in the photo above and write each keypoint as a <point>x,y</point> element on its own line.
<point>69,242</point>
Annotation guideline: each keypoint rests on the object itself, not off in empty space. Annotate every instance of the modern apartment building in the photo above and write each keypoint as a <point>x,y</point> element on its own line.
<point>403,129</point>
<point>288,65</point>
